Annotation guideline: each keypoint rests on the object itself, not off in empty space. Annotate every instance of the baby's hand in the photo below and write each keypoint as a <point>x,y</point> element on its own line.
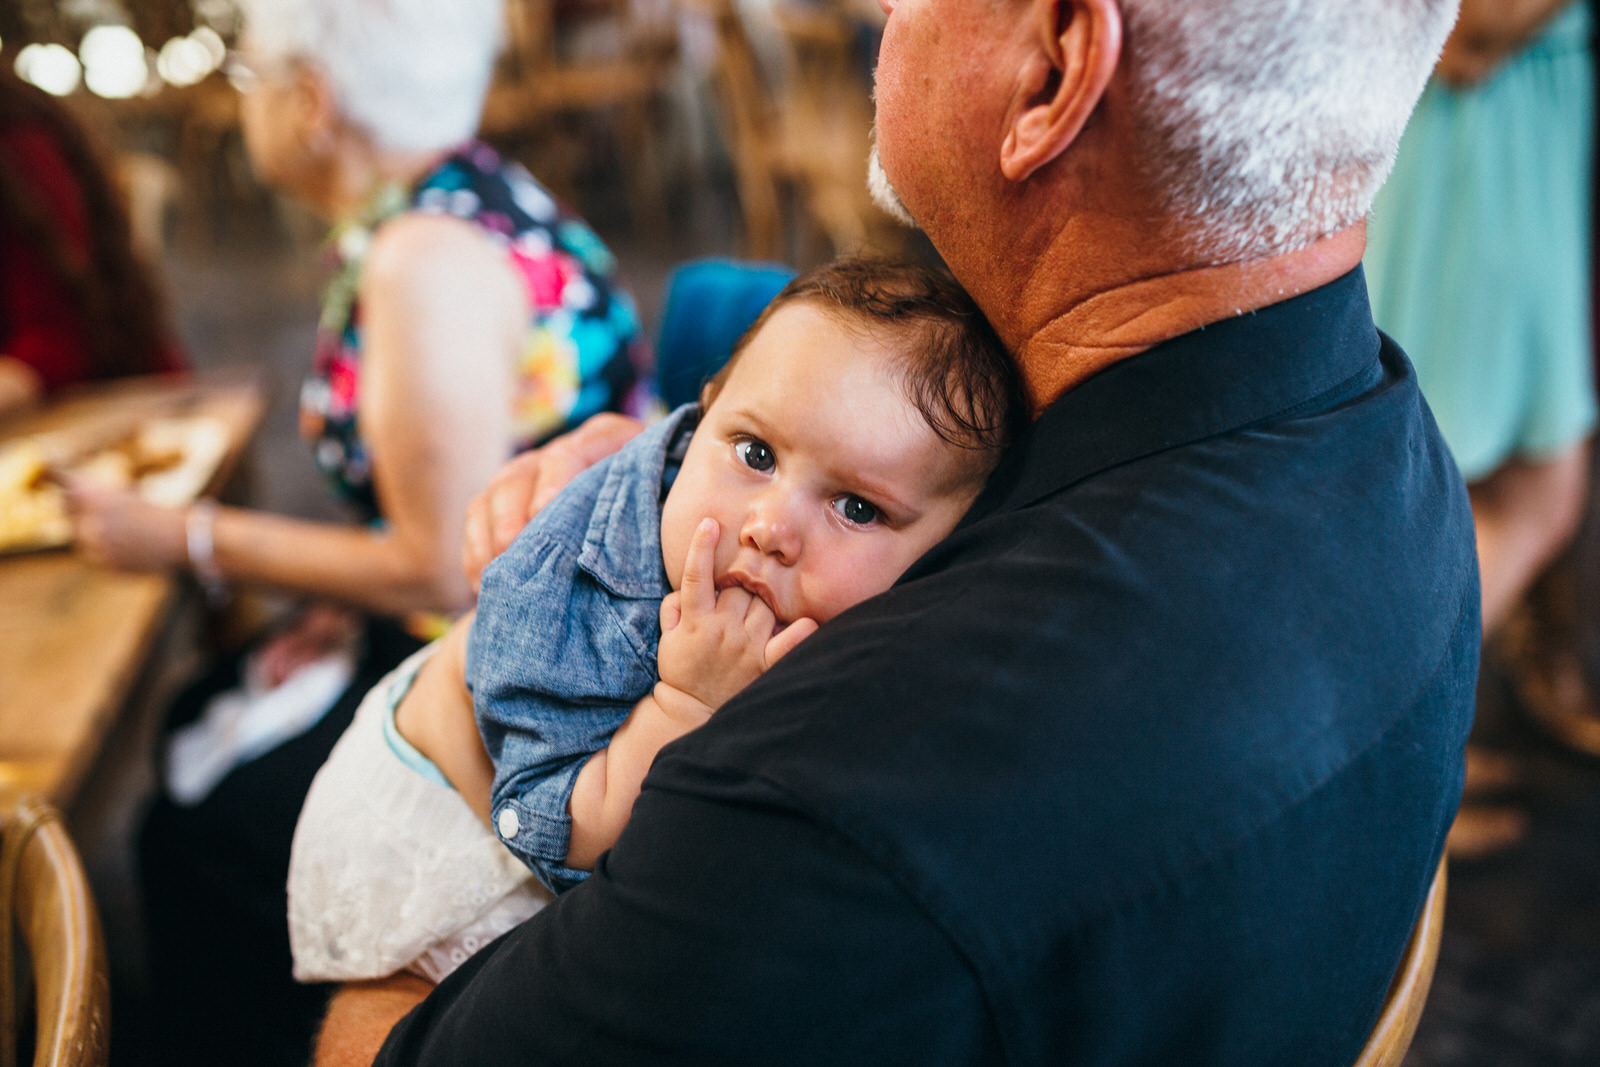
<point>713,644</point>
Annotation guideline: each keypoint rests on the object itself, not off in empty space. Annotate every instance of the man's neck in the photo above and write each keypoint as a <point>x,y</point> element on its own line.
<point>1101,325</point>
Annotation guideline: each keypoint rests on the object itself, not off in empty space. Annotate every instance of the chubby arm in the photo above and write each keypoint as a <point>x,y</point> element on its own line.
<point>609,783</point>
<point>435,716</point>
<point>443,315</point>
<point>712,645</point>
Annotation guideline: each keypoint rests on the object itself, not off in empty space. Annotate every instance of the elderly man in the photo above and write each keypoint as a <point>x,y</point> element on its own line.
<point>1152,761</point>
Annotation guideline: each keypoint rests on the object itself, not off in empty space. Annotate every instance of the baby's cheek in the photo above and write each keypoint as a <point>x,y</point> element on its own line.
<point>846,586</point>
<point>674,546</point>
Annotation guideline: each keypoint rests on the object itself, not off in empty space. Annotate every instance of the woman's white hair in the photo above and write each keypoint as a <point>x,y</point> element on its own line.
<point>411,73</point>
<point>1271,123</point>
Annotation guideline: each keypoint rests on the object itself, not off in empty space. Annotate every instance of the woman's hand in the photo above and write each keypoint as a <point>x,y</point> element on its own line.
<point>525,485</point>
<point>316,632</point>
<point>1487,33</point>
<point>117,528</point>
<point>20,385</point>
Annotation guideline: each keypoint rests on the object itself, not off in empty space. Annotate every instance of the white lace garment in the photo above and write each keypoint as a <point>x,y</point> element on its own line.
<point>390,870</point>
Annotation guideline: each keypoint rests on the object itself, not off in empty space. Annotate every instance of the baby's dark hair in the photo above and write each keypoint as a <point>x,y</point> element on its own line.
<point>959,378</point>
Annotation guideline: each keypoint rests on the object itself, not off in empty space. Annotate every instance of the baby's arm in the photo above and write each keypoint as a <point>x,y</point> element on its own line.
<point>435,716</point>
<point>389,867</point>
<point>712,645</point>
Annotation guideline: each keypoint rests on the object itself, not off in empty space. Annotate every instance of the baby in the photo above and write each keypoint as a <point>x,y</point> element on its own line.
<point>851,429</point>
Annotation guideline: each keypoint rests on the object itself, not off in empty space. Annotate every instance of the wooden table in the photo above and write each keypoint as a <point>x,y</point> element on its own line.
<point>74,638</point>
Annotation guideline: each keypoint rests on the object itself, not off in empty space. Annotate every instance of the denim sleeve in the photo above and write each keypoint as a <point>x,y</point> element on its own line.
<point>555,662</point>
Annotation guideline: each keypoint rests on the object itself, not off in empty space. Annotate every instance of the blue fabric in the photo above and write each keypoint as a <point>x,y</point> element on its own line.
<point>405,751</point>
<point>1478,251</point>
<point>564,642</point>
<point>1149,763</point>
<point>709,305</point>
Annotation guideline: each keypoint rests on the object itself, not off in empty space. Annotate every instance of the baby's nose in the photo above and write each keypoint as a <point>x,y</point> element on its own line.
<point>772,529</point>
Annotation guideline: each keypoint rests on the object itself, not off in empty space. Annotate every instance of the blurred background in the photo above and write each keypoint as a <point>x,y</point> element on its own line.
<point>677,128</point>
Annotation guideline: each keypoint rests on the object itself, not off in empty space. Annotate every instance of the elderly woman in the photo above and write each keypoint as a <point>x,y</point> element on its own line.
<point>469,315</point>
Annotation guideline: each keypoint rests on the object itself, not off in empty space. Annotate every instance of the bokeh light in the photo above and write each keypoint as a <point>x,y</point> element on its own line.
<point>51,67</point>
<point>113,62</point>
<point>212,42</point>
<point>183,61</point>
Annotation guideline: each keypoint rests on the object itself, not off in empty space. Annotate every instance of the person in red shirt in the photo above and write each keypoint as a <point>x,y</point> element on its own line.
<point>76,302</point>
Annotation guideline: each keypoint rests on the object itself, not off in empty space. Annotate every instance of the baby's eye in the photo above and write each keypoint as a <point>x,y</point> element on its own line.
<point>856,510</point>
<point>756,455</point>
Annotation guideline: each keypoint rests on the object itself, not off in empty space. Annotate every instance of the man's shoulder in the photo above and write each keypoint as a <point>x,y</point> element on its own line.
<point>1308,570</point>
<point>1156,697</point>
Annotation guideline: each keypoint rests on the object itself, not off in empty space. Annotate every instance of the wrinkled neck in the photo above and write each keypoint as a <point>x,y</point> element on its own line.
<point>1098,322</point>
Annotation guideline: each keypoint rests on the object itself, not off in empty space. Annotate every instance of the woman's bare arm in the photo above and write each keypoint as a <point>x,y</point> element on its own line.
<point>443,316</point>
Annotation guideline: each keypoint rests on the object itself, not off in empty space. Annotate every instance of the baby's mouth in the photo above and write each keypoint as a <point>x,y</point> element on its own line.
<point>756,588</point>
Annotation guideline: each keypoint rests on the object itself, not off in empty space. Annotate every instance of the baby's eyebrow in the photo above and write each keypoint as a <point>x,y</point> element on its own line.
<point>883,498</point>
<point>748,421</point>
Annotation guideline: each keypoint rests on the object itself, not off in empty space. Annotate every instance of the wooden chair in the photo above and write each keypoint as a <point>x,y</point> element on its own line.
<point>47,900</point>
<point>1402,1008</point>
<point>545,85</point>
<point>798,126</point>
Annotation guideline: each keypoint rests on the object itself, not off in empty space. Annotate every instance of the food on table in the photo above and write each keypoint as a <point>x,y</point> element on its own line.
<point>166,460</point>
<point>32,508</point>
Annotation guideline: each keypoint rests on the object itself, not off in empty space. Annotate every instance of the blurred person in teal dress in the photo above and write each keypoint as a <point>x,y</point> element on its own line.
<point>1478,260</point>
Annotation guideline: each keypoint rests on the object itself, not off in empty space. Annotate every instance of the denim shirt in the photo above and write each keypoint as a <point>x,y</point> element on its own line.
<point>564,643</point>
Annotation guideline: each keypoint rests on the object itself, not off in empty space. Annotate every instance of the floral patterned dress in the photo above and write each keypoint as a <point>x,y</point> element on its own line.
<point>582,352</point>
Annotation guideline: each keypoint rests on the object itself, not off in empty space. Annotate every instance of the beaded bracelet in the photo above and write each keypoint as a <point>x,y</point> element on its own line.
<point>199,525</point>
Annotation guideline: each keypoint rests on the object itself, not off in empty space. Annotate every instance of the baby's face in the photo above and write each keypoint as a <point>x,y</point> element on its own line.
<point>825,482</point>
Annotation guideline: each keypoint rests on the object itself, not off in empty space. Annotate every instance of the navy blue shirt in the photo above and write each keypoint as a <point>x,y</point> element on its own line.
<point>1150,762</point>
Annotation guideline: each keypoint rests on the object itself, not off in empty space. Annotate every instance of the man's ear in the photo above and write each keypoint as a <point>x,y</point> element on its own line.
<point>1078,44</point>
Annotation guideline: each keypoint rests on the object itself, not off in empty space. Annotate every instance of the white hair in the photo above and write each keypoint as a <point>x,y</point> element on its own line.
<point>1270,123</point>
<point>882,191</point>
<point>411,73</point>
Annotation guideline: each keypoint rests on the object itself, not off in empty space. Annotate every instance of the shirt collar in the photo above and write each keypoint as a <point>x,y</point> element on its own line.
<point>1224,376</point>
<point>622,544</point>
